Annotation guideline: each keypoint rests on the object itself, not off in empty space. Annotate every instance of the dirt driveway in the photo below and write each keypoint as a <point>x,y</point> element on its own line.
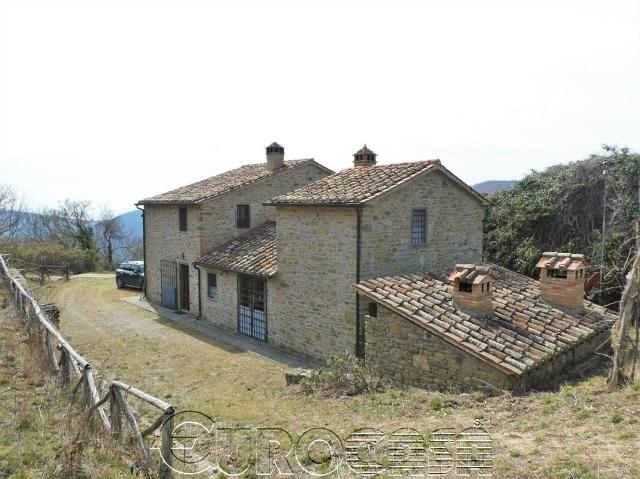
<point>125,342</point>
<point>192,371</point>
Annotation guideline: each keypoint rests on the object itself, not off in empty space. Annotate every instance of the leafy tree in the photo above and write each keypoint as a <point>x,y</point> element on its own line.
<point>561,209</point>
<point>111,233</point>
<point>11,212</point>
<point>69,224</point>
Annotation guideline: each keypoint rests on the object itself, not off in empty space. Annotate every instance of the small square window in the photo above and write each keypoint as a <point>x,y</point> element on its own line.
<point>419,227</point>
<point>373,310</point>
<point>182,218</point>
<point>243,216</point>
<point>212,285</point>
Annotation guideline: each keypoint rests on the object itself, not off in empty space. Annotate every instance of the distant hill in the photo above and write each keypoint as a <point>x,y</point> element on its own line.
<point>494,185</point>
<point>132,222</point>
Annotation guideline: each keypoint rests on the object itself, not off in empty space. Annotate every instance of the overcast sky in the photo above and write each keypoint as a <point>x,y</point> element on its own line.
<point>113,101</point>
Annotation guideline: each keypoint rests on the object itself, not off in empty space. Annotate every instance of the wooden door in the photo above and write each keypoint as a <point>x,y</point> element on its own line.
<point>184,287</point>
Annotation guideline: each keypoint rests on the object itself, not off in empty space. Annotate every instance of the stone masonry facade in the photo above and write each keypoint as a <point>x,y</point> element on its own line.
<point>454,228</point>
<point>398,349</point>
<point>210,223</point>
<point>222,310</point>
<point>217,217</point>
<point>401,350</point>
<point>312,305</point>
<point>165,241</point>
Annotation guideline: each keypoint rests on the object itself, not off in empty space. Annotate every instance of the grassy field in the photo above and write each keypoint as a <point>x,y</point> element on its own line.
<point>579,431</point>
<point>38,429</point>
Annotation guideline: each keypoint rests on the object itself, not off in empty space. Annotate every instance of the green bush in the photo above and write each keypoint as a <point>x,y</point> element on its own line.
<point>560,209</point>
<point>32,256</point>
<point>616,417</point>
<point>344,375</point>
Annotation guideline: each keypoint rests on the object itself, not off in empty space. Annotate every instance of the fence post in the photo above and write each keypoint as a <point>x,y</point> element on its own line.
<point>86,392</point>
<point>166,445</point>
<point>42,342</point>
<point>115,415</point>
<point>64,370</point>
<point>51,355</point>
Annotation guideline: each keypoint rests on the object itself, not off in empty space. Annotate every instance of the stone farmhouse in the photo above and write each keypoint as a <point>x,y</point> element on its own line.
<point>275,250</point>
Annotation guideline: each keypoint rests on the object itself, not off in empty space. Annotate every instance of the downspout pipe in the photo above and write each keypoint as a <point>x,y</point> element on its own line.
<point>144,248</point>
<point>197,267</point>
<point>359,346</point>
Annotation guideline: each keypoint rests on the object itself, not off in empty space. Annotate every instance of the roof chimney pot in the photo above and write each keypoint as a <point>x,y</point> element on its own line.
<point>364,157</point>
<point>472,289</point>
<point>562,279</point>
<point>275,156</point>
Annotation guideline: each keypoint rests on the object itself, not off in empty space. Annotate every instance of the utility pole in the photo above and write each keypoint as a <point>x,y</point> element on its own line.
<point>605,163</point>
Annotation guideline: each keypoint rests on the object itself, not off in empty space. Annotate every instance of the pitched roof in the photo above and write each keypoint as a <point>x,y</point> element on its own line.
<point>254,252</point>
<point>522,334</point>
<point>360,184</point>
<point>223,183</point>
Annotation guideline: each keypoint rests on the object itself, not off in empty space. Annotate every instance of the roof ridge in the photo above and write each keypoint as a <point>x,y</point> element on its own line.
<point>233,176</point>
<point>358,185</point>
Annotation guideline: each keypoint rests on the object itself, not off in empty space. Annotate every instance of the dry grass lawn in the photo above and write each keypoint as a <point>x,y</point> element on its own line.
<point>38,428</point>
<point>580,431</point>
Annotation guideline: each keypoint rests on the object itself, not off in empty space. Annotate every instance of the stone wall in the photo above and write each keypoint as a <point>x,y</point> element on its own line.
<point>312,306</point>
<point>217,217</point>
<point>211,223</point>
<point>222,311</point>
<point>454,228</point>
<point>405,352</point>
<point>551,371</point>
<point>165,241</point>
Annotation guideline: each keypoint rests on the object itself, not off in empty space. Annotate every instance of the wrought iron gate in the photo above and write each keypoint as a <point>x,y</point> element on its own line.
<point>252,307</point>
<point>168,283</point>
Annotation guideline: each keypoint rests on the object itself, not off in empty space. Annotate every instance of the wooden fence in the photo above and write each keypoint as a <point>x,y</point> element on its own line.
<point>75,374</point>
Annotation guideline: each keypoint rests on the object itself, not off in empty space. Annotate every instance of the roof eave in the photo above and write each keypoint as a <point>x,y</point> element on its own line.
<point>343,204</point>
<point>481,198</point>
<point>164,202</point>
<point>235,270</point>
<point>432,166</point>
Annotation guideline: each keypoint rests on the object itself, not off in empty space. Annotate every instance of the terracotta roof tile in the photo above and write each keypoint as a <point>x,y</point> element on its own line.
<point>254,252</point>
<point>523,332</point>
<point>562,261</point>
<point>354,185</point>
<point>222,183</point>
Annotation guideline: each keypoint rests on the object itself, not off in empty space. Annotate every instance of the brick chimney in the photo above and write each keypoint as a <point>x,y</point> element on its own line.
<point>275,156</point>
<point>472,289</point>
<point>562,279</point>
<point>364,157</point>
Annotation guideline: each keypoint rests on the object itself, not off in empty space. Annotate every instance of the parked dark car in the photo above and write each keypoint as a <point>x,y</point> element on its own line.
<point>130,274</point>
